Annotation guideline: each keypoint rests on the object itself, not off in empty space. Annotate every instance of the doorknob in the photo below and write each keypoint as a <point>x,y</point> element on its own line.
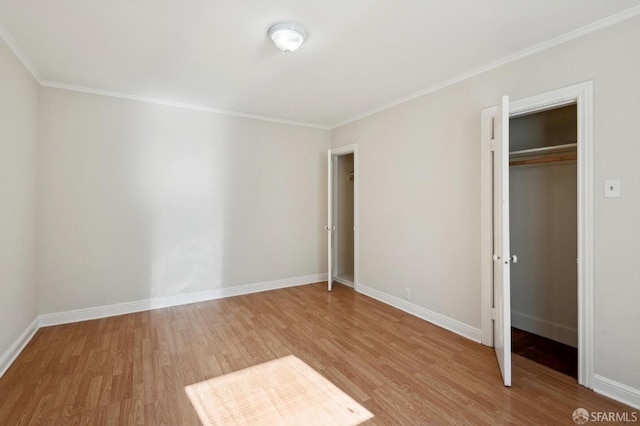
<point>496,257</point>
<point>514,258</point>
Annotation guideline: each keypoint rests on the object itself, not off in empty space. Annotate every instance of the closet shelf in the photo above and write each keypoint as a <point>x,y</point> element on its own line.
<point>547,154</point>
<point>568,157</point>
<point>544,150</point>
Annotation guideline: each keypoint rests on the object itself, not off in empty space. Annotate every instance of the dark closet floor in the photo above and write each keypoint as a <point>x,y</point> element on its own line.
<point>555,355</point>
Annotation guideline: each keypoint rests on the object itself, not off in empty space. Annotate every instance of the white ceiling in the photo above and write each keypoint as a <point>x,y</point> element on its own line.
<point>360,55</point>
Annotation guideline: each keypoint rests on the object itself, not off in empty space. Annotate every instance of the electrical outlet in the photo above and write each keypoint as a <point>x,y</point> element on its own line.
<point>407,293</point>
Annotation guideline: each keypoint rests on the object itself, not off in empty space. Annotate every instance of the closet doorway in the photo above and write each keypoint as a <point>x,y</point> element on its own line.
<point>342,216</point>
<point>497,258</point>
<point>543,231</point>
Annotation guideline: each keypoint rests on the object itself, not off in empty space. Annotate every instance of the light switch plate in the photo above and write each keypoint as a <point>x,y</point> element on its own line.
<point>612,188</point>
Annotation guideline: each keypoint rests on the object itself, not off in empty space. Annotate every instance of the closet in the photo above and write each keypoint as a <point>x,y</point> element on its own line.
<point>543,227</point>
<point>344,185</point>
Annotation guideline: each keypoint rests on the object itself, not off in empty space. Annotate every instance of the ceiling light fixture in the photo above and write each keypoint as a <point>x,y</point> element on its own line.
<point>287,36</point>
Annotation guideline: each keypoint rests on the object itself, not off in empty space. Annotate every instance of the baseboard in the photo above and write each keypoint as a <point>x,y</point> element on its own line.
<point>14,350</point>
<point>602,385</point>
<point>344,281</point>
<point>618,391</point>
<point>169,301</point>
<point>550,330</point>
<point>440,320</point>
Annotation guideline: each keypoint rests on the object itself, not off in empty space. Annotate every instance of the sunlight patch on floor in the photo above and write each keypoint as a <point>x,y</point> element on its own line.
<point>285,391</point>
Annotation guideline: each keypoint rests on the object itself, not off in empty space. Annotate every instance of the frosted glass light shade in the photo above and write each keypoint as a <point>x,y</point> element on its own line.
<point>287,36</point>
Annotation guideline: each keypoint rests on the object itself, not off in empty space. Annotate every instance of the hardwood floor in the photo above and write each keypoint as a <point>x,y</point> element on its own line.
<point>132,369</point>
<point>555,355</point>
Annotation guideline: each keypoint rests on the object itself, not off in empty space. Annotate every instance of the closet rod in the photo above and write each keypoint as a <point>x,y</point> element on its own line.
<point>571,157</point>
<point>544,150</point>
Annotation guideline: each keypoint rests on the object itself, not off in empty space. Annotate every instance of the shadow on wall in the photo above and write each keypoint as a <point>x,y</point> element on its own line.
<point>225,205</point>
<point>181,187</point>
<point>143,201</point>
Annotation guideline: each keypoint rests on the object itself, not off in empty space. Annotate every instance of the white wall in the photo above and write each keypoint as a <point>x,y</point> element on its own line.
<point>543,220</point>
<point>18,183</point>
<point>141,201</point>
<point>419,183</point>
<point>345,215</point>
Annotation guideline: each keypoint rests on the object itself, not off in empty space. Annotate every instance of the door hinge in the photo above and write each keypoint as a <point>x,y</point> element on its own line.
<point>492,313</point>
<point>492,145</point>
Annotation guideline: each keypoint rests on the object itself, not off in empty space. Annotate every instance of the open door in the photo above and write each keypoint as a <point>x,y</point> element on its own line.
<point>501,254</point>
<point>332,213</point>
<point>330,220</point>
<point>495,242</point>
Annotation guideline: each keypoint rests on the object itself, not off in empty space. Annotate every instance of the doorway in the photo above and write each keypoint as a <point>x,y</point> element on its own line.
<point>543,236</point>
<point>342,226</point>
<point>496,256</point>
<point>344,178</point>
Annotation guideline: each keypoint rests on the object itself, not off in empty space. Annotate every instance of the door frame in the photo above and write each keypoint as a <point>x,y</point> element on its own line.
<point>332,155</point>
<point>582,95</point>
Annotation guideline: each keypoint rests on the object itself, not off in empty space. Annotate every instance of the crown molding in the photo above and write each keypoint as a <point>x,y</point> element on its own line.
<point>175,104</point>
<point>17,50</point>
<point>22,57</point>
<point>587,29</point>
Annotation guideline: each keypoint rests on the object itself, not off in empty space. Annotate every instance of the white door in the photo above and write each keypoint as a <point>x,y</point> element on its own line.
<point>330,220</point>
<point>502,256</point>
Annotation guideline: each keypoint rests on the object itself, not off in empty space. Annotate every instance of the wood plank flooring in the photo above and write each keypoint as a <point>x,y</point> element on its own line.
<point>555,355</point>
<point>132,369</point>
